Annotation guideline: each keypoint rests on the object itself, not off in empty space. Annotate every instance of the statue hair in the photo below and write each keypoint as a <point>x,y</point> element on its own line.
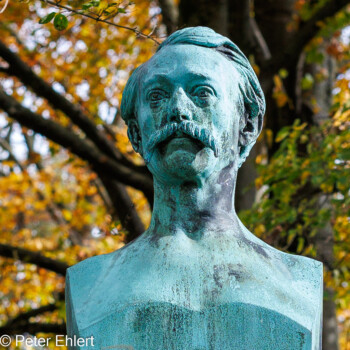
<point>253,96</point>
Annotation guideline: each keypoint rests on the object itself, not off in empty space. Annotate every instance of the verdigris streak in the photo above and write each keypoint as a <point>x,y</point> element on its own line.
<point>197,278</point>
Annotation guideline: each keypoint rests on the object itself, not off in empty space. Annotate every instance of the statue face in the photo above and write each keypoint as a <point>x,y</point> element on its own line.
<point>189,109</point>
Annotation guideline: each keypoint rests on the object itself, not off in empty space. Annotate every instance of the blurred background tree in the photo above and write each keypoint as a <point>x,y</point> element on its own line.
<point>71,186</point>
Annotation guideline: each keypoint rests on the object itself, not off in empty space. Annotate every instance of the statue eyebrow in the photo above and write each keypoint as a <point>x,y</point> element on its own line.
<point>156,78</point>
<point>163,79</point>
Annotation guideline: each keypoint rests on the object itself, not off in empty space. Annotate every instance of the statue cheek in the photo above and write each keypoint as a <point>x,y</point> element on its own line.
<point>206,117</point>
<point>151,121</point>
<point>155,118</point>
<point>225,140</point>
<point>161,115</point>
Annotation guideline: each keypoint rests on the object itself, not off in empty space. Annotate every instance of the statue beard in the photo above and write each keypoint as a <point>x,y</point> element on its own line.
<point>189,128</point>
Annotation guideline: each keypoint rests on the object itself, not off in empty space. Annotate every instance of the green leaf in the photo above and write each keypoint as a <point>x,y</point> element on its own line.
<point>60,22</point>
<point>89,4</point>
<point>283,73</point>
<point>300,247</point>
<point>282,134</point>
<point>307,82</point>
<point>121,10</point>
<point>344,154</point>
<point>314,56</point>
<point>48,18</point>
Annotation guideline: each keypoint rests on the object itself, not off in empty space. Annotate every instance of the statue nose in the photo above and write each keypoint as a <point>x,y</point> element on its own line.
<point>179,110</point>
<point>178,115</point>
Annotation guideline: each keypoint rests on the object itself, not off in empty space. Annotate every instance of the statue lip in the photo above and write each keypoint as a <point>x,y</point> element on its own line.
<point>178,136</point>
<point>182,135</point>
<point>187,136</point>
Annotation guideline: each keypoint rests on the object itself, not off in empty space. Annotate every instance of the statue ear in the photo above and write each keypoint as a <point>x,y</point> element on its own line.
<point>250,128</point>
<point>135,136</point>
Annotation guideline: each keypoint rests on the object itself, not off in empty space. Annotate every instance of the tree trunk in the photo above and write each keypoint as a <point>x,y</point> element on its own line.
<point>330,325</point>
<point>324,240</point>
<point>206,13</point>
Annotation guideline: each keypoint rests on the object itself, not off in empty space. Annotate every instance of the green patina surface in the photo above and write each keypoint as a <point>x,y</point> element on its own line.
<point>197,278</point>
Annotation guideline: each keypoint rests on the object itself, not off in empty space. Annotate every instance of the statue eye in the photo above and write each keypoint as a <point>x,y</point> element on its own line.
<point>203,92</point>
<point>156,95</point>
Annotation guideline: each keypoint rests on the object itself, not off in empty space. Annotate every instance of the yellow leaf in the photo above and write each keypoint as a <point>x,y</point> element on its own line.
<point>278,82</point>
<point>305,175</point>
<point>102,6</point>
<point>256,69</point>
<point>281,99</point>
<point>258,182</point>
<point>260,229</point>
<point>67,214</point>
<point>269,137</point>
<point>327,188</point>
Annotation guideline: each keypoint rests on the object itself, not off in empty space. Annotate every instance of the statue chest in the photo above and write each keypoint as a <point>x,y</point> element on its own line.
<point>160,325</point>
<point>151,302</point>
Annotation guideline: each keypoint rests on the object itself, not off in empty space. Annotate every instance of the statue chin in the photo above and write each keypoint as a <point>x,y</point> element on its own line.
<point>180,165</point>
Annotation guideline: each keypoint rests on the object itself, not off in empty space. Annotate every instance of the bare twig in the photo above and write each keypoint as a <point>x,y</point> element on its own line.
<point>259,38</point>
<point>6,146</point>
<point>4,8</point>
<point>99,19</point>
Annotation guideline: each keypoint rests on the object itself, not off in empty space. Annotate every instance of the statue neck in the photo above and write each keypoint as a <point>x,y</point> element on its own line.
<point>195,209</point>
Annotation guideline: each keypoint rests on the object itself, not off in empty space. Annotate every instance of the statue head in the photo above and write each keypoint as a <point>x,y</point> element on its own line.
<point>196,106</point>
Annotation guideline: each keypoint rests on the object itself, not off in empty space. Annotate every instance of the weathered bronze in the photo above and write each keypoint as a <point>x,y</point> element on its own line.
<point>197,278</point>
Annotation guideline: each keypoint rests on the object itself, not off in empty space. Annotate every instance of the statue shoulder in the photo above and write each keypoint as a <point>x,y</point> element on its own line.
<point>80,281</point>
<point>84,273</point>
<point>82,277</point>
<point>304,268</point>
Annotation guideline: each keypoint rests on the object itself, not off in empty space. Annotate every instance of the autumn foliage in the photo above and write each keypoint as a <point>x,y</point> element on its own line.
<point>72,187</point>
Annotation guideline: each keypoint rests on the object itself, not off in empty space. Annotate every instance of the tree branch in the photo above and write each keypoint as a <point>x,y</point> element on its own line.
<point>289,56</point>
<point>98,19</point>
<point>124,208</point>
<point>35,258</point>
<point>4,7</point>
<point>5,146</point>
<point>51,207</point>
<point>4,70</point>
<point>23,72</point>
<point>24,317</point>
<point>259,38</point>
<point>101,163</point>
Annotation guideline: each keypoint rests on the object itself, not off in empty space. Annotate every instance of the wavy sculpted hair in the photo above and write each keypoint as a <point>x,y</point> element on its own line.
<point>253,96</point>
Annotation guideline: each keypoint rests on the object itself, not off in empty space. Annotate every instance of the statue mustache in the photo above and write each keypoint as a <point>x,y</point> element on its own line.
<point>187,127</point>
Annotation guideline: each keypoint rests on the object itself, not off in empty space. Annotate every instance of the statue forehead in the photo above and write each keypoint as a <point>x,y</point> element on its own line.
<point>178,60</point>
